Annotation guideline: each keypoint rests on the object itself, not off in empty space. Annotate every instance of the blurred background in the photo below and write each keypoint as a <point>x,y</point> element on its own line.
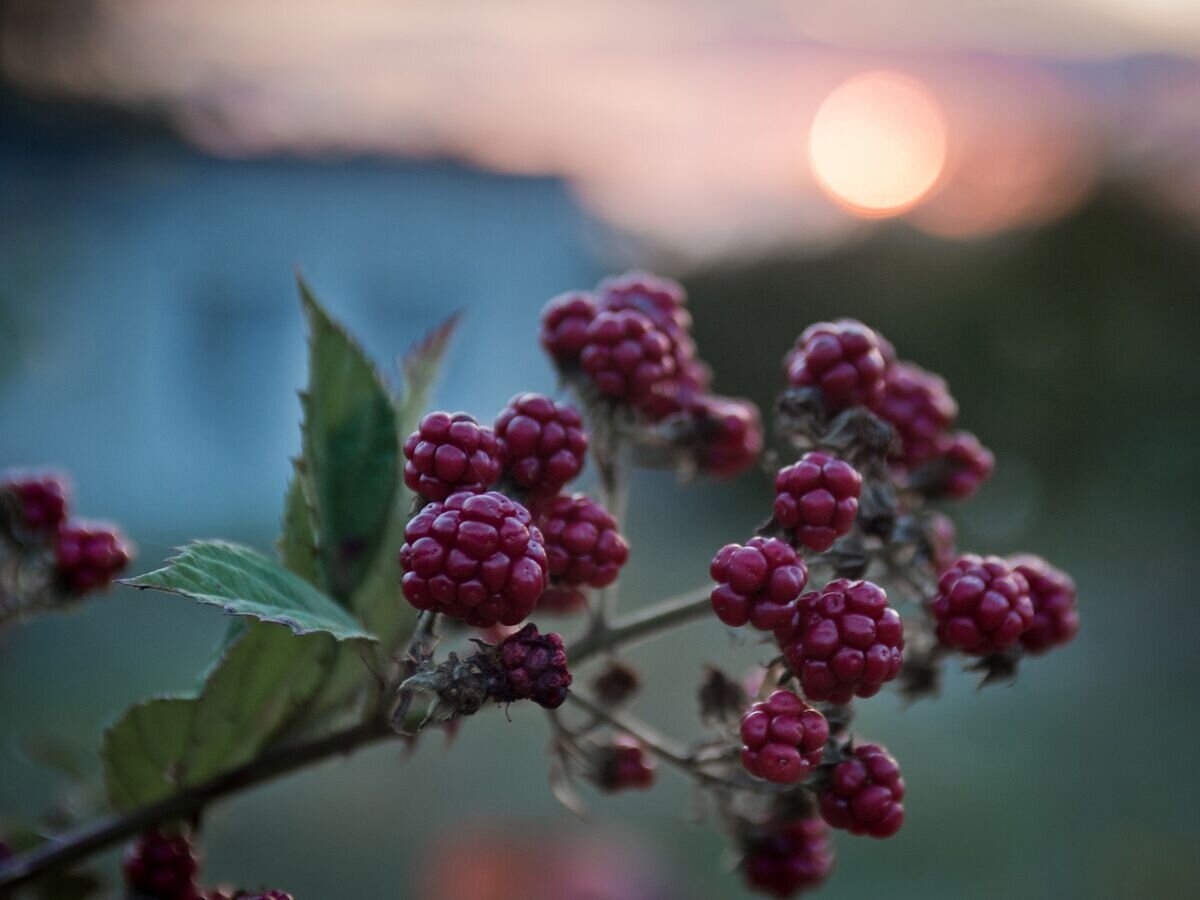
<point>1009,190</point>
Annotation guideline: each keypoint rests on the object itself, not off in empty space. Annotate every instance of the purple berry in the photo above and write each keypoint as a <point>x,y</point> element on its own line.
<point>865,794</point>
<point>757,583</point>
<point>450,453</point>
<point>982,605</point>
<point>542,443</point>
<point>783,738</point>
<point>817,499</point>
<point>844,359</point>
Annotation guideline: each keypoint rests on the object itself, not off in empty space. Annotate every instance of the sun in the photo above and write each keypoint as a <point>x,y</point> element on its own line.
<point>878,143</point>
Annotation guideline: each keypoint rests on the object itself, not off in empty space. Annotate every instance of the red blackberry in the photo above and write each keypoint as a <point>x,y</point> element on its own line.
<point>89,555</point>
<point>817,499</point>
<point>783,860</point>
<point>532,667</point>
<point>962,464</point>
<point>542,443</point>
<point>449,453</point>
<point>624,764</point>
<point>865,793</point>
<point>757,583</point>
<point>843,641</point>
<point>476,557</point>
<point>41,500</point>
<point>729,436</point>
<point>843,359</point>
<point>982,605</point>
<point>1055,617</point>
<point>160,866</point>
<point>565,320</point>
<point>583,547</point>
<point>783,738</point>
<point>626,355</point>
<point>919,406</point>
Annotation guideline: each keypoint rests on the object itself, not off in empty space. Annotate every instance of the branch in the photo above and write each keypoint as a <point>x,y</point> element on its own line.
<point>63,851</point>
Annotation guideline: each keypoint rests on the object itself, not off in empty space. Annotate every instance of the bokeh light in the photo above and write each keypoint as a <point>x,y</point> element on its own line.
<point>878,143</point>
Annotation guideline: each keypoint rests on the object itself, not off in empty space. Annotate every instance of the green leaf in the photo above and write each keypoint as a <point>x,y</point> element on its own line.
<point>298,543</point>
<point>351,451</point>
<point>260,684</point>
<point>246,583</point>
<point>379,602</point>
<point>141,752</point>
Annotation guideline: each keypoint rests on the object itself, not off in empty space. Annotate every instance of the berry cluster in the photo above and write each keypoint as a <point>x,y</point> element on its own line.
<point>533,667</point>
<point>757,584</point>
<point>865,793</point>
<point>843,641</point>
<point>784,859</point>
<point>631,341</point>
<point>476,557</point>
<point>161,865</point>
<point>87,556</point>
<point>583,546</point>
<point>624,765</point>
<point>783,737</point>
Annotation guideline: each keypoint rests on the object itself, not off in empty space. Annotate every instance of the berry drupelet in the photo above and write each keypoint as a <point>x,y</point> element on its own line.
<point>626,356</point>
<point>623,765</point>
<point>843,641</point>
<point>533,667</point>
<point>89,555</point>
<point>161,866</point>
<point>757,583</point>
<point>583,546</point>
<point>919,406</point>
<point>783,860</point>
<point>982,605</point>
<point>450,452</point>
<point>817,499</point>
<point>1055,616</point>
<point>476,557</point>
<point>865,793</point>
<point>542,443</point>
<point>783,738</point>
<point>843,359</point>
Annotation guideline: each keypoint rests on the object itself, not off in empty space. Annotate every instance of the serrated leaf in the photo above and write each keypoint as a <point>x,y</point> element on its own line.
<point>420,367</point>
<point>263,680</point>
<point>141,752</point>
<point>246,583</point>
<point>297,542</point>
<point>351,451</point>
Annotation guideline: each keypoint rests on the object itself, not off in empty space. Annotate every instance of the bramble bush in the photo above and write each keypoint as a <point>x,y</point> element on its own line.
<point>405,531</point>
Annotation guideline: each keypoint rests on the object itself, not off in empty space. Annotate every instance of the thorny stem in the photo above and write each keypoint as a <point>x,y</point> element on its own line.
<point>420,649</point>
<point>74,846</point>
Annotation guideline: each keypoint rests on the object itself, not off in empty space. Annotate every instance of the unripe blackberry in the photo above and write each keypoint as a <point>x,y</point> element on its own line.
<point>476,557</point>
<point>41,500</point>
<point>982,605</point>
<point>817,499</point>
<point>729,435</point>
<point>161,866</point>
<point>691,381</point>
<point>624,764</point>
<point>865,793</point>
<point>843,359</point>
<point>565,320</point>
<point>583,546</point>
<point>843,641</point>
<point>626,355</point>
<point>757,583</point>
<point>962,464</point>
<point>1055,617</point>
<point>783,738</point>
<point>532,667</point>
<point>89,555</point>
<point>919,406</point>
<point>542,443</point>
<point>784,860</point>
<point>449,453</point>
